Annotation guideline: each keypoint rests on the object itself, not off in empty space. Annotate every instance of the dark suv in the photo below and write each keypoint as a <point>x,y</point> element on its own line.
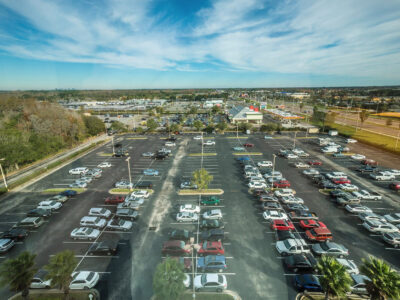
<point>212,235</point>
<point>175,248</point>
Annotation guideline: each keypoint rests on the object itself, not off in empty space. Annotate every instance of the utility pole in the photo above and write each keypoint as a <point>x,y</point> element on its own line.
<point>129,172</point>
<point>397,140</point>
<point>4,177</point>
<point>112,140</point>
<point>273,167</point>
<point>237,130</point>
<point>294,140</point>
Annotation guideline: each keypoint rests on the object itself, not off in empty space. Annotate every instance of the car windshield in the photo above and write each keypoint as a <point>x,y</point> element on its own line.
<point>203,279</point>
<point>90,276</point>
<point>287,244</point>
<point>89,230</point>
<point>324,246</point>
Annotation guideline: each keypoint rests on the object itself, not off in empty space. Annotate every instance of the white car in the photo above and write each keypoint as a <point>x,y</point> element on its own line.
<point>104,165</point>
<point>257,185</point>
<point>275,174</point>
<point>292,200</point>
<point>209,143</point>
<point>301,165</point>
<point>284,192</point>
<point>336,175</point>
<point>297,151</point>
<point>311,172</point>
<point>84,280</point>
<point>100,212</point>
<point>58,198</point>
<point>50,205</point>
<point>129,199</point>
<point>214,214</point>
<point>265,163</point>
<point>358,157</point>
<point>78,185</point>
<point>271,215</point>
<point>187,217</point>
<point>78,171</point>
<point>198,137</point>
<point>371,217</point>
<point>380,227</point>
<point>382,176</point>
<point>119,224</point>
<point>348,187</point>
<point>170,144</point>
<point>85,233</point>
<point>256,179</point>
<point>357,208</point>
<point>189,208</point>
<point>292,246</point>
<point>210,282</point>
<point>123,184</point>
<point>365,195</point>
<point>350,265</point>
<point>351,141</point>
<point>393,172</point>
<point>187,281</point>
<point>140,194</point>
<point>291,156</point>
<point>393,218</point>
<point>92,221</point>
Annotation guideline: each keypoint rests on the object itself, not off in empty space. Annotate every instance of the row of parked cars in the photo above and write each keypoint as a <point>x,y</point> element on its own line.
<point>87,175</point>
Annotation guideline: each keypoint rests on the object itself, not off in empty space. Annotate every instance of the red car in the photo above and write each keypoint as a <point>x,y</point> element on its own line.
<point>394,186</point>
<point>211,248</point>
<point>315,163</point>
<point>341,180</point>
<point>319,234</point>
<point>282,225</point>
<point>114,199</point>
<point>248,145</point>
<point>369,162</point>
<point>281,184</point>
<point>175,248</point>
<point>308,224</point>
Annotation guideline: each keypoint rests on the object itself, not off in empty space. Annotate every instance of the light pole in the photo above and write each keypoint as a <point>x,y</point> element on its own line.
<point>294,140</point>
<point>273,168</point>
<point>112,140</point>
<point>237,130</point>
<point>4,177</point>
<point>129,171</point>
<point>397,140</point>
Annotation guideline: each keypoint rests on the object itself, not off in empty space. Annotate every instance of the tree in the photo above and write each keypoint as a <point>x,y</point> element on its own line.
<point>168,280</point>
<point>198,124</point>
<point>268,127</point>
<point>193,110</point>
<point>201,178</point>
<point>151,125</point>
<point>139,130</point>
<point>18,273</point>
<point>216,109</point>
<point>334,280</point>
<point>119,126</point>
<point>221,126</point>
<point>93,125</point>
<point>364,114</point>
<point>384,281</point>
<point>60,269</point>
<point>301,105</point>
<point>209,129</point>
<point>245,126</point>
<point>174,127</point>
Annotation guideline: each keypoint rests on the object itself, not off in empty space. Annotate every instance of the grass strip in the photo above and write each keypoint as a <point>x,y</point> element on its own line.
<point>127,191</point>
<point>58,295</point>
<point>325,191</point>
<point>201,192</point>
<point>202,154</point>
<point>137,138</point>
<point>247,153</point>
<point>51,166</point>
<point>237,137</point>
<point>60,190</point>
<point>104,154</point>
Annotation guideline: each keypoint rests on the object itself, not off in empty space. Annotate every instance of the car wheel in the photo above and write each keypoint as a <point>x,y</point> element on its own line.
<point>86,288</point>
<point>47,287</point>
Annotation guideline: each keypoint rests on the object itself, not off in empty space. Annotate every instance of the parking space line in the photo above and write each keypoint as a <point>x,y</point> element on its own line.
<point>95,256</point>
<point>88,242</point>
<point>395,249</point>
<point>112,231</point>
<point>8,222</point>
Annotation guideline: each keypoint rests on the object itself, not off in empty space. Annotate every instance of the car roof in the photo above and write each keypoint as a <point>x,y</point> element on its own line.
<point>359,278</point>
<point>322,230</point>
<point>41,274</point>
<point>81,275</point>
<point>212,277</point>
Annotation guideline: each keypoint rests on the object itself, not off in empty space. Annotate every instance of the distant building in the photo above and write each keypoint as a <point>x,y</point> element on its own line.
<point>213,102</point>
<point>244,114</point>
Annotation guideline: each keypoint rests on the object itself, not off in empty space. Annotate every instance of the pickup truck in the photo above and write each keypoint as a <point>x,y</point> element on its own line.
<point>347,199</point>
<point>365,195</point>
<point>302,215</point>
<point>381,176</point>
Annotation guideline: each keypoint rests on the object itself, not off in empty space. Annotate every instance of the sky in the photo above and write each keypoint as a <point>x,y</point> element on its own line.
<point>118,44</point>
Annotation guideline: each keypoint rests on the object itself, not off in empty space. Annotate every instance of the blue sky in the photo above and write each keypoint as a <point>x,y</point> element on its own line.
<point>105,44</point>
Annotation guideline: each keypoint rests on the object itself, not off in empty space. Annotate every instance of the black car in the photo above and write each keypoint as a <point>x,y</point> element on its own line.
<point>160,156</point>
<point>282,235</point>
<point>211,224</point>
<point>144,185</point>
<point>212,235</point>
<point>326,184</point>
<point>180,234</point>
<point>367,169</point>
<point>39,212</point>
<point>337,193</point>
<point>301,262</point>
<point>318,178</point>
<point>108,247</point>
<point>171,139</point>
<point>16,234</point>
<point>267,205</point>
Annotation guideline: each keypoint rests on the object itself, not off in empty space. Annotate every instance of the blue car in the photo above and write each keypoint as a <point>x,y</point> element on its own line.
<point>243,158</point>
<point>150,172</point>
<point>238,149</point>
<point>211,263</point>
<point>307,282</point>
<point>68,193</point>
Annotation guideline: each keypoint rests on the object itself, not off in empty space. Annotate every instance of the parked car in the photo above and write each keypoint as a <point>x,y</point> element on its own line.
<point>350,265</point>
<point>212,235</point>
<point>187,185</point>
<point>16,234</point>
<point>330,248</point>
<point>123,184</point>
<point>394,186</point>
<point>309,224</point>
<point>365,195</point>
<point>58,198</point>
<point>50,205</point>
<point>85,233</point>
<point>238,149</point>
<point>359,284</point>
<point>189,208</point>
<point>348,187</point>
<point>78,171</point>
<point>151,172</point>
<point>292,200</point>
<point>210,224</point>
<point>257,185</point>
<point>84,280</point>
<point>140,194</point>
<point>115,199</point>
<point>292,246</point>
<point>248,145</point>
<point>209,143</point>
<point>265,163</point>
<point>214,214</point>
<point>181,234</point>
<point>379,227</point>
<point>282,225</point>
<point>127,213</point>
<point>100,212</point>
<point>358,156</point>
<point>392,238</point>
<point>381,176</point>
<point>281,184</point>
<point>175,248</point>
<point>314,163</point>
<point>213,200</point>
<point>148,154</point>
<point>119,224</point>
<point>210,283</point>
<point>104,165</point>
<point>307,282</point>
<point>302,215</point>
<point>6,244</point>
<point>357,208</point>
<point>301,262</point>
<point>371,217</point>
<point>319,234</point>
<point>393,218</point>
<point>297,206</point>
<point>92,221</point>
<point>271,215</point>
<point>39,212</point>
<point>187,217</point>
<point>30,223</point>
<point>274,205</point>
<point>211,248</point>
<point>301,165</point>
<point>211,263</point>
<point>107,247</point>
<point>40,281</point>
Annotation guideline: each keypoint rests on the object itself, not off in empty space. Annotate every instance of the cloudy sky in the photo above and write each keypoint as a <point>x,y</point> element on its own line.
<point>105,44</point>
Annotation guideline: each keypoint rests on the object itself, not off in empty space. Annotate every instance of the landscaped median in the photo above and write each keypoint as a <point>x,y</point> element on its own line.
<point>203,154</point>
<point>321,296</point>
<point>55,294</point>
<point>137,138</point>
<point>324,191</point>
<point>201,192</point>
<point>117,191</point>
<point>226,295</point>
<point>104,154</point>
<point>60,190</point>
<point>247,153</point>
<point>237,137</point>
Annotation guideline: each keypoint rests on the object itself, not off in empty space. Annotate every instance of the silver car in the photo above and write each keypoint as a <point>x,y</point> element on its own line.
<point>210,282</point>
<point>330,249</point>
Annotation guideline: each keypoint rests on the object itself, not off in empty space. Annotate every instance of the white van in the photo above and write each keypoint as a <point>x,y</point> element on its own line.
<point>79,171</point>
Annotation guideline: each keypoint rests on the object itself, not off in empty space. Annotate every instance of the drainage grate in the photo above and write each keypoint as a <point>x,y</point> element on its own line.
<point>152,228</point>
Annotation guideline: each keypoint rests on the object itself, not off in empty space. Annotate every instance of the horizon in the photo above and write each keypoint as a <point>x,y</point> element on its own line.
<point>110,44</point>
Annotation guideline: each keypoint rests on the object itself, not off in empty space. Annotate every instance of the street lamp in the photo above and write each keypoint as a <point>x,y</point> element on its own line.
<point>294,140</point>
<point>273,168</point>
<point>112,140</point>
<point>129,171</point>
<point>2,174</point>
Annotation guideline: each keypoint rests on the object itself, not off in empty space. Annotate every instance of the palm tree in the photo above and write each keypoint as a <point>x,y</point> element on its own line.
<point>334,280</point>
<point>60,269</point>
<point>18,273</point>
<point>384,282</point>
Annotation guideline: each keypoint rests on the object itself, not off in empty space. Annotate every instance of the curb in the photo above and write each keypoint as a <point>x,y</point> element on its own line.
<point>228,292</point>
<point>32,292</point>
<point>206,192</point>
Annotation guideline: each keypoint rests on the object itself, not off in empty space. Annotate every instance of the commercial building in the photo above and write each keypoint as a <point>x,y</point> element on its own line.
<point>239,114</point>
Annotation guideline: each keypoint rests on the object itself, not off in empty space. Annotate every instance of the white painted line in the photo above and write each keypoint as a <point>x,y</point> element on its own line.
<point>96,256</point>
<point>60,183</point>
<point>8,222</point>
<point>375,235</point>
<point>395,249</point>
<point>88,242</point>
<point>112,231</point>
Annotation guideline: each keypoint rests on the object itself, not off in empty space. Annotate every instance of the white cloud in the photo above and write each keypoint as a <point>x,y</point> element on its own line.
<point>290,37</point>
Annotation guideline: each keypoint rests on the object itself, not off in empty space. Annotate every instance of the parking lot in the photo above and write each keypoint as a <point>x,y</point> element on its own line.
<point>255,268</point>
